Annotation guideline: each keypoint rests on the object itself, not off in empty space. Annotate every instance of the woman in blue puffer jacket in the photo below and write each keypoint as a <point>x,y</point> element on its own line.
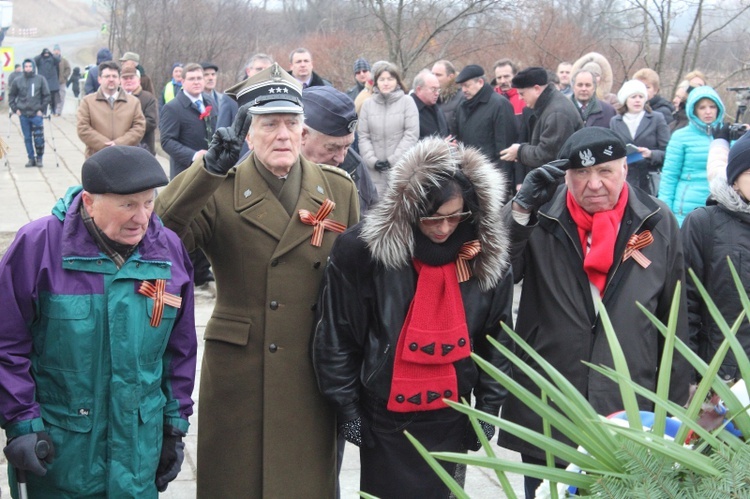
<point>684,185</point>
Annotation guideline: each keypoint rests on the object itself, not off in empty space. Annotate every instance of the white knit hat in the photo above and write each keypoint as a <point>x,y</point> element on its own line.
<point>631,87</point>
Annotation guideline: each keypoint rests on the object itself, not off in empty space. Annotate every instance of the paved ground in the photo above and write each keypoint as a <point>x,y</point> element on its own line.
<point>29,193</point>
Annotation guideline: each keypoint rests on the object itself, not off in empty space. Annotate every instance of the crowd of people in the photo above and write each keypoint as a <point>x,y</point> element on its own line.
<point>360,245</point>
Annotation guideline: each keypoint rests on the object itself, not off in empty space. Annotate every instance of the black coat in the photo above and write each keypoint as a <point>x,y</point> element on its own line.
<point>710,235</point>
<point>49,67</point>
<point>663,106</point>
<point>449,103</point>
<point>652,133</point>
<point>597,112</point>
<point>182,133</point>
<point>558,319</point>
<point>487,122</point>
<point>553,119</point>
<point>431,120</point>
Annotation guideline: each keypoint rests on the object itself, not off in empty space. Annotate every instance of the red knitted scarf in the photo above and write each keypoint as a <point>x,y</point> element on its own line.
<point>603,227</point>
<point>433,337</point>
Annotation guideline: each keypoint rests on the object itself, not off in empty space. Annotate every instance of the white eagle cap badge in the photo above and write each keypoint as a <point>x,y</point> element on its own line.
<point>587,158</point>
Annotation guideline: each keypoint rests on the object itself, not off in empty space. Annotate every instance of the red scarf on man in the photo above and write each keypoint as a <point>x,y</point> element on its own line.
<point>603,227</point>
<point>433,337</point>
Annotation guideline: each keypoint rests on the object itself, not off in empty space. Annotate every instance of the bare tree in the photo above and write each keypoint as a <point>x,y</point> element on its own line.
<point>410,28</point>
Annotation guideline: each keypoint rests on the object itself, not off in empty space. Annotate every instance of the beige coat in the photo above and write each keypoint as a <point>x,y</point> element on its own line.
<point>98,123</point>
<point>265,429</point>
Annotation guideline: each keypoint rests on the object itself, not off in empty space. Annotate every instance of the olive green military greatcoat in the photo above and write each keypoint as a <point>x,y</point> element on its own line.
<point>265,430</point>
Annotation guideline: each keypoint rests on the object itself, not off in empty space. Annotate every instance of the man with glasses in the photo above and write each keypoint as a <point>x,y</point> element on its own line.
<point>431,118</point>
<point>361,75</point>
<point>110,117</point>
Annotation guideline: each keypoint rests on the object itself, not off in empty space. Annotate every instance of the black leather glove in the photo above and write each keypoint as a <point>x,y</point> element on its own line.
<point>382,166</point>
<point>172,455</point>
<point>352,431</point>
<point>540,185</point>
<point>720,131</point>
<point>29,452</point>
<point>472,440</point>
<point>226,144</point>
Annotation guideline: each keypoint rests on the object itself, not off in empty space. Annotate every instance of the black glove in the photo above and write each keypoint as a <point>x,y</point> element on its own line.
<point>720,131</point>
<point>29,452</point>
<point>472,440</point>
<point>540,185</point>
<point>382,166</point>
<point>226,144</point>
<point>172,455</point>
<point>352,431</point>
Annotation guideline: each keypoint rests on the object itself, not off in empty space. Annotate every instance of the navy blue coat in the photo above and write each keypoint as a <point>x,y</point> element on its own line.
<point>183,133</point>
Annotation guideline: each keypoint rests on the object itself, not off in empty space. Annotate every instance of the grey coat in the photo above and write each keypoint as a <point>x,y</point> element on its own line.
<point>652,133</point>
<point>388,127</point>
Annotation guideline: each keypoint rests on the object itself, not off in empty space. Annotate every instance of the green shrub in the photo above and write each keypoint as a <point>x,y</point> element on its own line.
<point>625,462</point>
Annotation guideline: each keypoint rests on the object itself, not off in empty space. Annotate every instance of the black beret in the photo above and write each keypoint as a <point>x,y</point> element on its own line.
<point>469,72</point>
<point>209,65</point>
<point>329,111</point>
<point>591,146</point>
<point>272,90</point>
<point>122,170</point>
<point>527,78</point>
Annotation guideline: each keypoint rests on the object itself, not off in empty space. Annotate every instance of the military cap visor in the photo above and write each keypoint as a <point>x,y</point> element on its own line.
<point>270,91</point>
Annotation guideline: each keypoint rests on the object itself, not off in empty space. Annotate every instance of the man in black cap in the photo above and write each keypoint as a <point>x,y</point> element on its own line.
<point>267,225</point>
<point>553,119</point>
<point>485,119</point>
<point>327,136</point>
<point>594,241</point>
<point>361,75</point>
<point>97,342</point>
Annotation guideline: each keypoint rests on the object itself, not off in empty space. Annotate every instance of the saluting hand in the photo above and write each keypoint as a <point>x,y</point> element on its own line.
<point>224,150</point>
<point>539,186</point>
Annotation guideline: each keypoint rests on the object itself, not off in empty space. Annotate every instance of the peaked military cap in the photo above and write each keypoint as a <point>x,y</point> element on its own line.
<point>273,90</point>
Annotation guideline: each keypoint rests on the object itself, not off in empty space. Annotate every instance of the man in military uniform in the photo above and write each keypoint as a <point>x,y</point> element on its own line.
<point>267,225</point>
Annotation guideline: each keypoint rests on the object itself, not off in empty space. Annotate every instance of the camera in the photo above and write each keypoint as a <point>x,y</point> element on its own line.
<point>736,131</point>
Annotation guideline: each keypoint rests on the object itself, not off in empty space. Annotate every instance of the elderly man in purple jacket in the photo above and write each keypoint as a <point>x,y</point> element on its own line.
<point>97,341</point>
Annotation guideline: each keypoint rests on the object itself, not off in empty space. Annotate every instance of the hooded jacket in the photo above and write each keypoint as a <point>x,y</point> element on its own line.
<point>92,79</point>
<point>710,234</point>
<point>370,282</point>
<point>29,93</point>
<point>49,67</point>
<point>79,358</point>
<point>684,181</point>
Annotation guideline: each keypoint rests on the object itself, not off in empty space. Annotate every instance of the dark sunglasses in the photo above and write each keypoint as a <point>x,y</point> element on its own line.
<point>454,219</point>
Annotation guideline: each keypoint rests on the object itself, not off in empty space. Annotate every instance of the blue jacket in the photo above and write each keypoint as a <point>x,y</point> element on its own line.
<point>684,183</point>
<point>80,359</point>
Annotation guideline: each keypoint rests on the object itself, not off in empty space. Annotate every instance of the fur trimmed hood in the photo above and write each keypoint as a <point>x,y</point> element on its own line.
<point>388,227</point>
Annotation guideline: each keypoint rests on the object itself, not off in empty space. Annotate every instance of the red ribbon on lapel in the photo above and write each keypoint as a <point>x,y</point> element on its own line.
<point>467,252</point>
<point>161,297</point>
<point>636,243</point>
<point>320,221</point>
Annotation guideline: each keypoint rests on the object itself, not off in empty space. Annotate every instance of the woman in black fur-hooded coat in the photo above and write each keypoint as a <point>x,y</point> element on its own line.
<point>407,295</point>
